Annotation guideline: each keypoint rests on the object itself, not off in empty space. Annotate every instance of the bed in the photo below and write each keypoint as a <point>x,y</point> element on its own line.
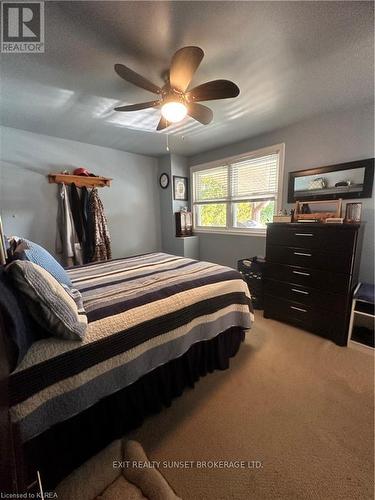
<point>157,322</point>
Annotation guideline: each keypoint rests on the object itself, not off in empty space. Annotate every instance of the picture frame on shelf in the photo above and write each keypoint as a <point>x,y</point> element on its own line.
<point>353,212</point>
<point>180,188</point>
<point>184,223</point>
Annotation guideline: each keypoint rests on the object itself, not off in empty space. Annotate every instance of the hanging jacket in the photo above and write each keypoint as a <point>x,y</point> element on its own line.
<point>75,204</point>
<point>101,237</point>
<point>87,229</point>
<point>67,244</point>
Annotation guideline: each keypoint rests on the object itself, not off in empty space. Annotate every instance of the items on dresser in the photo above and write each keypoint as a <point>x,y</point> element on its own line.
<point>361,328</point>
<point>353,212</point>
<point>282,218</point>
<point>308,220</point>
<point>310,274</point>
<point>334,220</point>
<point>317,210</point>
<point>252,272</point>
<point>184,223</point>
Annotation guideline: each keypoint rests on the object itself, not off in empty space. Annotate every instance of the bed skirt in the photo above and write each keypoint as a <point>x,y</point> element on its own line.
<point>65,446</point>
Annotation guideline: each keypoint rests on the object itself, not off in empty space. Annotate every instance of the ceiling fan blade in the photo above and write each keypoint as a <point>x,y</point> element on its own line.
<point>162,124</point>
<point>200,113</point>
<point>184,64</point>
<point>132,77</point>
<point>136,107</point>
<point>216,89</point>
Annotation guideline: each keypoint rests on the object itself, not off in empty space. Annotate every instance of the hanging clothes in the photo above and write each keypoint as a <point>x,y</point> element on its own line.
<point>87,226</point>
<point>67,243</point>
<point>98,221</point>
<point>75,204</point>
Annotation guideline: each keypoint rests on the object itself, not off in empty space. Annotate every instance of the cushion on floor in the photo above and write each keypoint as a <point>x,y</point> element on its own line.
<point>93,477</point>
<point>121,489</point>
<point>98,479</point>
<point>150,480</point>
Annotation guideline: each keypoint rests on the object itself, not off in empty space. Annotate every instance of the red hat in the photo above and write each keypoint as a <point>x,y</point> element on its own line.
<point>81,171</point>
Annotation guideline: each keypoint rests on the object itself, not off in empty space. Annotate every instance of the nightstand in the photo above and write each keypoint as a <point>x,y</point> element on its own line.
<point>361,326</point>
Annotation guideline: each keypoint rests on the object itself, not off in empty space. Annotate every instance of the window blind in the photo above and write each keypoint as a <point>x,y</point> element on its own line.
<point>255,177</point>
<point>211,184</point>
<point>239,193</point>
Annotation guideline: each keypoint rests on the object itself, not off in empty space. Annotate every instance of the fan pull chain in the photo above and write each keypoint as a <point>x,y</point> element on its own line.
<point>167,142</point>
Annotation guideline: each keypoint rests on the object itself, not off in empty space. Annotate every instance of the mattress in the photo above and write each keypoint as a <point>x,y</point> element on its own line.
<point>143,312</point>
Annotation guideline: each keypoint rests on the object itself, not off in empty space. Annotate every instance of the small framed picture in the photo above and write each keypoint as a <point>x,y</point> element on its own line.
<point>353,212</point>
<point>180,188</point>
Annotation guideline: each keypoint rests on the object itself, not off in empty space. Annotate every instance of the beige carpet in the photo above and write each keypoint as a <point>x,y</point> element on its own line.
<point>294,401</point>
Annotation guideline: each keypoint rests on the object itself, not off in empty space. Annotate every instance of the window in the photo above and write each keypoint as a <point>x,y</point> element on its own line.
<point>240,194</point>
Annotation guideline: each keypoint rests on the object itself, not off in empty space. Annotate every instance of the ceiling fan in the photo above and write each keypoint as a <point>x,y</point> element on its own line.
<point>174,98</point>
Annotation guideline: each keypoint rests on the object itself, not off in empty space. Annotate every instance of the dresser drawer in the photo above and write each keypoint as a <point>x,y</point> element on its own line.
<point>328,324</point>
<point>310,257</point>
<point>306,296</point>
<point>331,238</point>
<point>310,278</point>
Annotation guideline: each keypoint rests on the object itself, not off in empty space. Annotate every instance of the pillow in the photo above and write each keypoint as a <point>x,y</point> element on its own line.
<point>20,329</point>
<point>76,296</point>
<point>50,305</point>
<point>27,250</point>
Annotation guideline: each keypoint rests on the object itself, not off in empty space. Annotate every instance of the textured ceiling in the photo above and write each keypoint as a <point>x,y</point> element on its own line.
<point>290,60</point>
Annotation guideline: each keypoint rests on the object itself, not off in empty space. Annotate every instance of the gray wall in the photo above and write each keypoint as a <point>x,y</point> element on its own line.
<point>28,203</point>
<point>327,139</point>
<point>168,243</point>
<point>173,164</point>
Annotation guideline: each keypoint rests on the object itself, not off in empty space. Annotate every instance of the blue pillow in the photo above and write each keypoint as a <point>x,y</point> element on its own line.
<point>27,250</point>
<point>20,329</point>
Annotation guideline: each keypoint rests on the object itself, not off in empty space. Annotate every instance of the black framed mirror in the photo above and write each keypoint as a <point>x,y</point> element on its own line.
<point>349,180</point>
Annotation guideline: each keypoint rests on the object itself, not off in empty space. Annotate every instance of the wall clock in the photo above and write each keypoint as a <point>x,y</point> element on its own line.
<point>164,180</point>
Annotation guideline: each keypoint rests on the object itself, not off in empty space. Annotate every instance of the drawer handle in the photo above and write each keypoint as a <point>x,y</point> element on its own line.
<point>300,291</point>
<point>304,254</point>
<point>300,272</point>
<point>303,234</point>
<point>299,309</point>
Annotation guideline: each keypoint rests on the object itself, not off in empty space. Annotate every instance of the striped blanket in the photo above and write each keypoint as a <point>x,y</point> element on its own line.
<point>143,312</point>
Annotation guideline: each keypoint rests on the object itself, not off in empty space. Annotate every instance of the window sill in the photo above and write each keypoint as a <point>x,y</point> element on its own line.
<point>232,232</point>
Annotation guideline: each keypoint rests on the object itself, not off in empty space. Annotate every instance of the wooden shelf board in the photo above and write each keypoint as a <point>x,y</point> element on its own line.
<point>364,314</point>
<point>79,180</point>
<point>360,346</point>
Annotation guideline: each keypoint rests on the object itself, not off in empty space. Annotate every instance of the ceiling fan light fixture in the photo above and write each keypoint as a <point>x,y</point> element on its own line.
<point>175,99</point>
<point>174,111</point>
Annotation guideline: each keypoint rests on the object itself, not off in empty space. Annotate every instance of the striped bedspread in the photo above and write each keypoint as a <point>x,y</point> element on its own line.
<point>143,312</point>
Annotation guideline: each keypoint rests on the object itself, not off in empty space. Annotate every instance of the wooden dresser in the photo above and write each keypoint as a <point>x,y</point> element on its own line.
<point>310,274</point>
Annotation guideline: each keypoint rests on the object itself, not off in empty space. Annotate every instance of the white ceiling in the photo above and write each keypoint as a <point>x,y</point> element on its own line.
<point>290,60</point>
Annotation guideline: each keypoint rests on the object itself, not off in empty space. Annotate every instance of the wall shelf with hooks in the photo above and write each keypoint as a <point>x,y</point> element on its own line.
<point>79,180</point>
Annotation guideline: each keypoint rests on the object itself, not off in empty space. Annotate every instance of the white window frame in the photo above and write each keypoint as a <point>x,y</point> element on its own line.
<point>229,229</point>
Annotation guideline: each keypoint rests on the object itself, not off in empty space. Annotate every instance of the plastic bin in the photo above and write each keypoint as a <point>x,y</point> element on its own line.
<point>252,272</point>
